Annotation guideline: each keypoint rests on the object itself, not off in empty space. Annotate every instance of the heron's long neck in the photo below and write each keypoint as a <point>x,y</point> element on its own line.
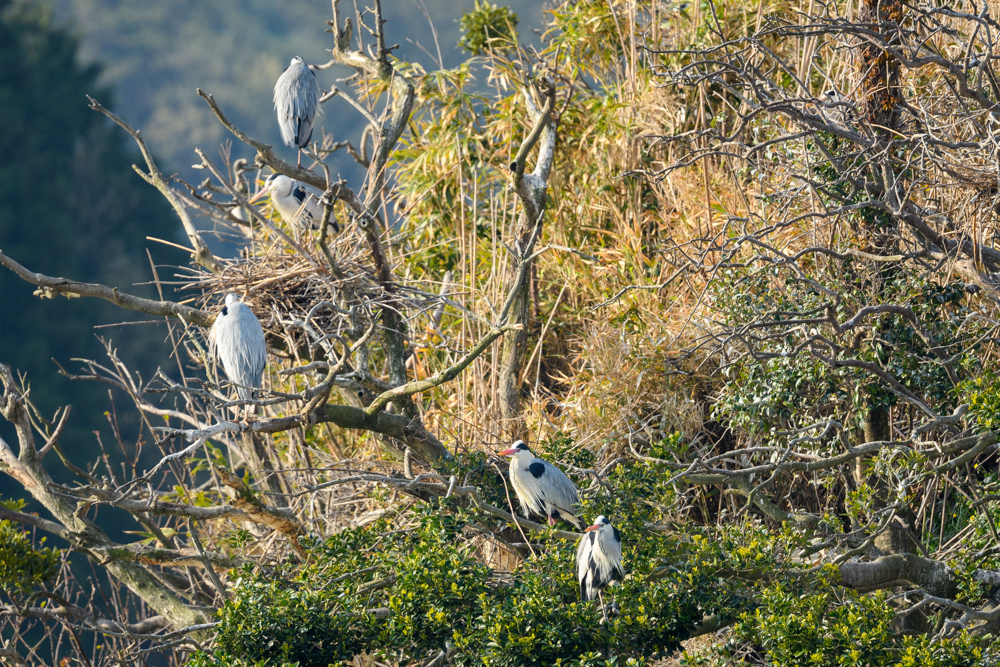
<point>520,460</point>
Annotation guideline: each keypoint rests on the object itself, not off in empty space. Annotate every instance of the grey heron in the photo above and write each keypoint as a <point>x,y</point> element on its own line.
<point>296,99</point>
<point>294,202</point>
<point>838,108</point>
<point>599,560</point>
<point>238,338</point>
<point>541,487</point>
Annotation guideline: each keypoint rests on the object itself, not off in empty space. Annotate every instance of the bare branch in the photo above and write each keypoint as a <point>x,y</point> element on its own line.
<point>202,255</point>
<point>439,378</point>
<point>144,553</point>
<point>50,287</point>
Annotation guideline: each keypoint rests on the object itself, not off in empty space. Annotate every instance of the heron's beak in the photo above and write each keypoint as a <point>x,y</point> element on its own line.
<point>594,527</point>
<point>508,452</point>
<point>260,195</point>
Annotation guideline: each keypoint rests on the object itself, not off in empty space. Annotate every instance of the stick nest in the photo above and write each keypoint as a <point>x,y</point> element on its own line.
<point>283,286</point>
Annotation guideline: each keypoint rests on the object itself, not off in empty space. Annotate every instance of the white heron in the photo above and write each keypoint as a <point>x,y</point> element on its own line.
<point>599,560</point>
<point>238,338</point>
<point>541,487</point>
<point>296,99</point>
<point>295,204</point>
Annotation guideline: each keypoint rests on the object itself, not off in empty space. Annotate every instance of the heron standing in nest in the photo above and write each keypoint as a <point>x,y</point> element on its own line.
<point>294,203</point>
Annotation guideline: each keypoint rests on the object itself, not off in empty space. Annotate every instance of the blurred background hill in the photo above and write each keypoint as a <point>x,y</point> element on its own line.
<point>156,54</point>
<point>70,205</point>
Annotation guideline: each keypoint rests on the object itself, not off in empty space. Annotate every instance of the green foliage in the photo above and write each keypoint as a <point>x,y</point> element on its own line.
<point>812,622</point>
<point>487,27</point>
<point>418,588</point>
<point>22,565</point>
<point>791,387</point>
<point>590,31</point>
<point>982,393</point>
<point>217,659</point>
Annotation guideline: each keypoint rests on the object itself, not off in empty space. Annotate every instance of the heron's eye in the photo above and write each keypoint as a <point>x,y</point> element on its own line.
<point>225,310</point>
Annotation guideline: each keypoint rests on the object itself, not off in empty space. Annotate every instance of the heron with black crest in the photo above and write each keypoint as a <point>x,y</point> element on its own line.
<point>599,560</point>
<point>541,487</point>
<point>294,203</point>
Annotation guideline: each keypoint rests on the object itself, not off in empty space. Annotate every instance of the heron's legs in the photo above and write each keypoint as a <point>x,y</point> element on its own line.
<point>552,522</point>
<point>246,414</point>
<point>299,163</point>
<point>600,596</point>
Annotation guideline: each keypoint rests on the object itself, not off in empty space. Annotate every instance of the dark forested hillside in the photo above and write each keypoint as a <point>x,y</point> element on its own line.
<point>70,205</point>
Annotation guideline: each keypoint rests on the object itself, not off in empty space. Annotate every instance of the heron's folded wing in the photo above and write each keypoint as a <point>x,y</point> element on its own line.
<point>560,490</point>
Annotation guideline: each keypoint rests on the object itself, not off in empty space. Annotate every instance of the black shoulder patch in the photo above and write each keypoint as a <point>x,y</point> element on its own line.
<point>225,310</point>
<point>616,534</point>
<point>300,194</point>
<point>537,469</point>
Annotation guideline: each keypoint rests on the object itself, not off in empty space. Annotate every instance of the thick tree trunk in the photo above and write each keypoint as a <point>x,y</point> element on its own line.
<point>515,344</point>
<point>879,105</point>
<point>263,468</point>
<point>532,191</point>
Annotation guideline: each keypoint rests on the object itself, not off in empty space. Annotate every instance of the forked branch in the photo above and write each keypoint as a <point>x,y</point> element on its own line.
<point>202,255</point>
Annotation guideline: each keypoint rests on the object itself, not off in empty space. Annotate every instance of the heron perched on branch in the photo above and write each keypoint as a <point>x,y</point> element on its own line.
<point>838,108</point>
<point>599,560</point>
<point>296,99</point>
<point>294,202</point>
<point>541,487</point>
<point>238,338</point>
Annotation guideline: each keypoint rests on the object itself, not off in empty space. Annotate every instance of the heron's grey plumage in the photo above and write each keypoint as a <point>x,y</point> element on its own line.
<point>296,99</point>
<point>238,339</point>
<point>295,204</point>
<point>541,487</point>
<point>838,108</point>
<point>599,558</point>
